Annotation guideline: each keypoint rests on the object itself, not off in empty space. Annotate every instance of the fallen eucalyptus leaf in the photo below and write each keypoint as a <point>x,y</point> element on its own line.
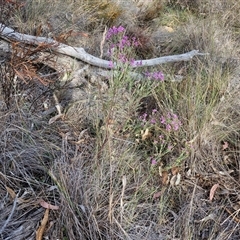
<point>212,191</point>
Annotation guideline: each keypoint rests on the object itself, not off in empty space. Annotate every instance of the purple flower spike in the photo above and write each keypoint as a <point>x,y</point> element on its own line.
<point>155,75</point>
<point>153,161</point>
<point>144,117</point>
<point>154,111</point>
<point>132,62</point>
<point>168,127</point>
<point>114,31</point>
<point>153,121</point>
<point>121,29</point>
<point>162,120</point>
<point>111,65</point>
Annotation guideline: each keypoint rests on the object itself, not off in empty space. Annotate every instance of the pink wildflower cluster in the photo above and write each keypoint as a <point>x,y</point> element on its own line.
<point>120,44</point>
<point>170,122</point>
<point>153,161</point>
<point>155,75</point>
<point>160,139</point>
<point>115,31</point>
<point>125,41</point>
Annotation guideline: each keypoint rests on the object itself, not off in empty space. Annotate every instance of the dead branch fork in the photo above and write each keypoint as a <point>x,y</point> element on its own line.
<point>9,34</point>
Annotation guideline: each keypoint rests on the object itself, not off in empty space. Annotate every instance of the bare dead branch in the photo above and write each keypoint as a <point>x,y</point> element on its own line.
<point>79,53</point>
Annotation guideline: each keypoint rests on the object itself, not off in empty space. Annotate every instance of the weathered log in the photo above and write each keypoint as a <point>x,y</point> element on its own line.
<point>79,53</point>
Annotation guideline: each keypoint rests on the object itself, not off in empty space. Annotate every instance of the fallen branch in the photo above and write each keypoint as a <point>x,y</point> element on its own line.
<point>79,53</point>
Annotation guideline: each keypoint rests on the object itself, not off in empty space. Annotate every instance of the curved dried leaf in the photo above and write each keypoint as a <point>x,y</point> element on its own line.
<point>178,180</point>
<point>40,231</point>
<point>175,170</point>
<point>11,192</point>
<point>165,178</point>
<point>212,191</point>
<point>48,206</point>
<point>173,180</point>
<point>146,134</point>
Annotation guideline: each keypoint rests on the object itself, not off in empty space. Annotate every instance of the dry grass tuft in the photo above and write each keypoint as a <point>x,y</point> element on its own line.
<point>26,153</point>
<point>149,10</point>
<point>104,12</point>
<point>185,4</point>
